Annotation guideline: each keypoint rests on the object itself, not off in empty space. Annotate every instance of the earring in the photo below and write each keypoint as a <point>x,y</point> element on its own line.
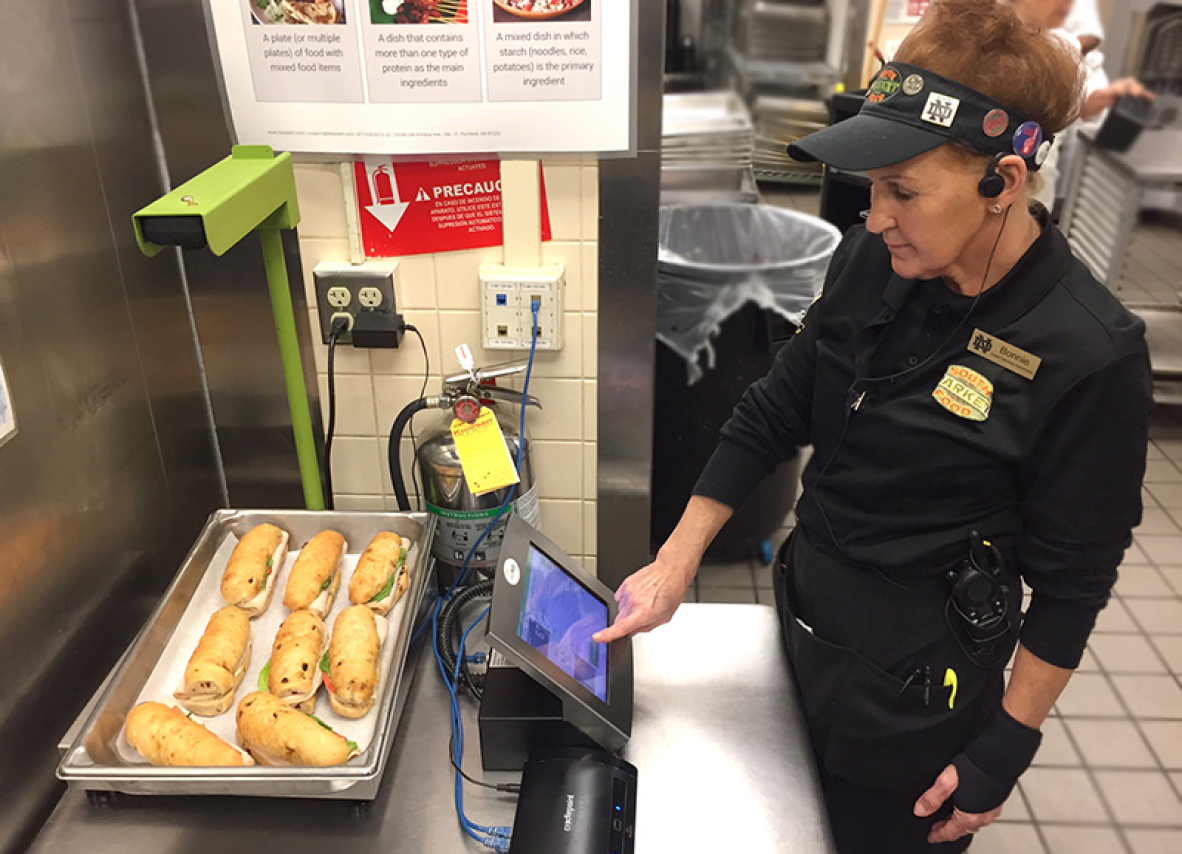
<point>995,208</point>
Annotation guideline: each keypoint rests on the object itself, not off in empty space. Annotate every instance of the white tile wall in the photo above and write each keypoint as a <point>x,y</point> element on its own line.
<point>590,346</point>
<point>439,294</point>
<point>415,280</point>
<point>458,276</point>
<point>591,409</point>
<point>407,360</point>
<point>356,466</point>
<point>318,186</point>
<point>560,468</point>
<point>392,393</point>
<point>590,181</point>
<point>590,531</point>
<point>567,362</point>
<point>564,193</point>
<point>591,276</point>
<point>563,523</point>
<point>570,255</point>
<point>562,414</point>
<point>355,404</point>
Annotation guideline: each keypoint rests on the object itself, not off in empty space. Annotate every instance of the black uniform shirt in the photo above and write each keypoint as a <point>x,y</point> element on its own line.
<point>1052,472</point>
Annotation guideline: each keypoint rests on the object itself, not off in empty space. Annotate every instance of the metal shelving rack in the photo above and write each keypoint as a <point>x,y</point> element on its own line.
<point>783,58</point>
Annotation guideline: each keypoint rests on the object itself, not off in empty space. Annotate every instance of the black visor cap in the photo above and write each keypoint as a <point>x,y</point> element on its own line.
<point>909,111</point>
<point>865,142</point>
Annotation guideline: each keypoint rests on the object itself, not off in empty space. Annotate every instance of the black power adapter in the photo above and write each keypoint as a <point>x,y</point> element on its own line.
<point>376,328</point>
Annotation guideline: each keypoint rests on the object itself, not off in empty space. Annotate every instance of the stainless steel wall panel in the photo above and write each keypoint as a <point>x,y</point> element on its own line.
<point>112,471</point>
<point>229,294</point>
<point>236,330</point>
<point>629,194</point>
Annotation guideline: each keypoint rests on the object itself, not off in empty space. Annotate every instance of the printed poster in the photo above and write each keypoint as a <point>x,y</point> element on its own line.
<point>427,76</point>
<point>412,208</point>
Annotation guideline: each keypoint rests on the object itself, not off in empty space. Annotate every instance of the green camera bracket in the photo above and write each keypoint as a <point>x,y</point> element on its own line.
<point>251,190</point>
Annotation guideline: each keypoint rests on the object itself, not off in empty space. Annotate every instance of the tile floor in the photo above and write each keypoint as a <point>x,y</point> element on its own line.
<point>1108,777</point>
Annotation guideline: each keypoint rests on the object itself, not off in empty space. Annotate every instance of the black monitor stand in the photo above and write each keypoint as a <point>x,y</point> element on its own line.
<point>518,716</point>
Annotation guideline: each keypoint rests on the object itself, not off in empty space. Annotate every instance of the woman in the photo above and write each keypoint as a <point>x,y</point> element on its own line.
<point>978,408</point>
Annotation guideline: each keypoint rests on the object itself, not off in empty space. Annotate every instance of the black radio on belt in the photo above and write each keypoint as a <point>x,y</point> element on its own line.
<point>980,601</point>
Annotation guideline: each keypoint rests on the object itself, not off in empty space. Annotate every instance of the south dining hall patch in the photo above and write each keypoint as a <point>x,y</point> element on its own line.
<point>964,392</point>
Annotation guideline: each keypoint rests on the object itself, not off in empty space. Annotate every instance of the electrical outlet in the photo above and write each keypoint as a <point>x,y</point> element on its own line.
<point>370,297</point>
<point>508,295</point>
<point>353,290</point>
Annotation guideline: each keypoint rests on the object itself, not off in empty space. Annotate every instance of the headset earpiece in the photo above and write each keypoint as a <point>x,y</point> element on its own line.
<point>992,185</point>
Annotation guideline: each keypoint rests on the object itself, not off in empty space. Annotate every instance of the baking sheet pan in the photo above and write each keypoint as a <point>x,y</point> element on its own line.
<point>100,758</point>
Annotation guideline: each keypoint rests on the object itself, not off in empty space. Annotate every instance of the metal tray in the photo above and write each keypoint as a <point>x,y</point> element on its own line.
<point>96,760</point>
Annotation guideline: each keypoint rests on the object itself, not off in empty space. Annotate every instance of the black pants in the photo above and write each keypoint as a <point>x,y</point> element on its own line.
<point>867,820</point>
<point>870,821</point>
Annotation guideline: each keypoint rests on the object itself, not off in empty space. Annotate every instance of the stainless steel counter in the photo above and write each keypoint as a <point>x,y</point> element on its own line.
<point>724,765</point>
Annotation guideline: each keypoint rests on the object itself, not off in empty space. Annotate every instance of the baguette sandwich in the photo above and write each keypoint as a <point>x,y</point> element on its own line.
<point>249,579</point>
<point>381,576</point>
<point>165,736</point>
<point>354,668</point>
<point>277,734</point>
<point>293,673</point>
<point>316,574</point>
<point>219,662</point>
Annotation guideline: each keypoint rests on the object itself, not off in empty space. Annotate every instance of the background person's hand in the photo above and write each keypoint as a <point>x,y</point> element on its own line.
<point>1103,99</point>
<point>648,598</point>
<point>957,824</point>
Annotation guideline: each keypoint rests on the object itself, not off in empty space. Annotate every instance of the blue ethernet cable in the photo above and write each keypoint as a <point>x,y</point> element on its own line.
<point>496,838</point>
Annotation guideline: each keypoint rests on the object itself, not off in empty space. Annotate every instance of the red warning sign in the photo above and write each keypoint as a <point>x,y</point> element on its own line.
<point>412,208</point>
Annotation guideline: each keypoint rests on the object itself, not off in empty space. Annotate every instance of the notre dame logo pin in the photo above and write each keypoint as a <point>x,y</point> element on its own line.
<point>965,392</point>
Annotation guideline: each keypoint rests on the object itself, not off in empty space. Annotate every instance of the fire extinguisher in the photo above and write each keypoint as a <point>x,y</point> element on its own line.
<point>462,516</point>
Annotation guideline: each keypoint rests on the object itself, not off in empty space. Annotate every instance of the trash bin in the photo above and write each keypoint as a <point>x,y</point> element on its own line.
<point>733,283</point>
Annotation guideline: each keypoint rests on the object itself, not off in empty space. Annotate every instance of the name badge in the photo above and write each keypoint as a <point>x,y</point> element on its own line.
<point>965,392</point>
<point>1011,358</point>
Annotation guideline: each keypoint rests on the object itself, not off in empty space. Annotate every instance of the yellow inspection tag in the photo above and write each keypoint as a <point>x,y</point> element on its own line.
<point>483,453</point>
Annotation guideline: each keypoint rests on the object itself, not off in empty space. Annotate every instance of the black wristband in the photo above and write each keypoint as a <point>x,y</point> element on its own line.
<point>992,763</point>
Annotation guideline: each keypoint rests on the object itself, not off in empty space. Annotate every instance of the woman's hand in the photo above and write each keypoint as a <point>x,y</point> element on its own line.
<point>649,597</point>
<point>957,824</point>
<point>1102,99</point>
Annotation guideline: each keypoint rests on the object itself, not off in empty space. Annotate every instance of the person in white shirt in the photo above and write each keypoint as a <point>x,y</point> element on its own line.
<point>1083,22</point>
<point>1078,23</point>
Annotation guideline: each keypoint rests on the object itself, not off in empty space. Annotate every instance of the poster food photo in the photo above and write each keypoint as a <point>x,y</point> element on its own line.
<point>402,77</point>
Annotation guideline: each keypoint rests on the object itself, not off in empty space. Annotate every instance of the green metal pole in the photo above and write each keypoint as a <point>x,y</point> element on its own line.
<point>293,368</point>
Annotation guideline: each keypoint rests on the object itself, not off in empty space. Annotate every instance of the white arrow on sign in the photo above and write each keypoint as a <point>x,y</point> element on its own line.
<point>388,213</point>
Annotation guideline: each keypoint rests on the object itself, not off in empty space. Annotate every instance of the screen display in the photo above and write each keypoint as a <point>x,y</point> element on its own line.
<point>557,618</point>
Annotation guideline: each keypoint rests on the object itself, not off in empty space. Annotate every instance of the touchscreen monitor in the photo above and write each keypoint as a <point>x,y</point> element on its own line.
<point>545,609</point>
<point>558,617</point>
